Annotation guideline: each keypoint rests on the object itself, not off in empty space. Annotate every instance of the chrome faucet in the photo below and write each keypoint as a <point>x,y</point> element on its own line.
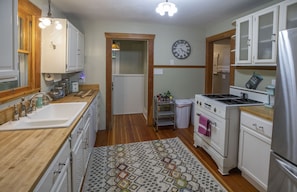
<point>32,106</point>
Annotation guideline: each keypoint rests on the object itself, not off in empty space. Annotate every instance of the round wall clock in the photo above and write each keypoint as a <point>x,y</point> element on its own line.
<point>181,49</point>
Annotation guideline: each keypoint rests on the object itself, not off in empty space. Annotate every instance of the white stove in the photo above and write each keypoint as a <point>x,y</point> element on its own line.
<point>222,113</point>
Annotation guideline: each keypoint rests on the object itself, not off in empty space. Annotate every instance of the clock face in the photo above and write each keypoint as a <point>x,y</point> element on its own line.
<point>181,49</point>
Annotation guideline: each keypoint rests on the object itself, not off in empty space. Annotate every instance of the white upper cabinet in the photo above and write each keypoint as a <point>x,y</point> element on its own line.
<point>62,50</point>
<point>243,40</point>
<point>256,38</point>
<point>265,39</point>
<point>8,39</point>
<point>288,15</point>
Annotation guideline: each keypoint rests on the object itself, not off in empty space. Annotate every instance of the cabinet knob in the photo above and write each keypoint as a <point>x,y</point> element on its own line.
<point>57,172</point>
<point>261,128</point>
<point>248,42</point>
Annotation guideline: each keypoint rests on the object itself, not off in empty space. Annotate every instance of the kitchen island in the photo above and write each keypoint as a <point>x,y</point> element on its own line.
<point>26,155</point>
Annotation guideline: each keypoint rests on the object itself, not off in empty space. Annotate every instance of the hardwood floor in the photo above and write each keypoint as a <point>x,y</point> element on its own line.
<point>132,128</point>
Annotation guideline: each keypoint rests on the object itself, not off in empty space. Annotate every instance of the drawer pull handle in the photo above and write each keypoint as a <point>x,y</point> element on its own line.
<point>57,172</point>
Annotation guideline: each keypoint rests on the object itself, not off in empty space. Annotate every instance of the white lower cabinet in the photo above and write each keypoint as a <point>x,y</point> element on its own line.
<point>80,149</point>
<point>94,122</point>
<point>66,172</point>
<point>254,149</point>
<point>58,175</point>
<point>77,155</point>
<point>86,137</point>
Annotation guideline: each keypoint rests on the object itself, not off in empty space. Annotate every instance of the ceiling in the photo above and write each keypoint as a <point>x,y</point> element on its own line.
<point>190,12</point>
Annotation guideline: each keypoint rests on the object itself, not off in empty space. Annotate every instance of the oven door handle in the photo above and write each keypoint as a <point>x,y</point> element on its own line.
<point>211,123</point>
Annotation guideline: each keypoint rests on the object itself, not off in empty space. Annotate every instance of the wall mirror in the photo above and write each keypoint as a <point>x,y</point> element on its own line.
<point>19,48</point>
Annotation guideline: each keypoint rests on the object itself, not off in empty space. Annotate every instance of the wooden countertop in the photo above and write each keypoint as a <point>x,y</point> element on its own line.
<point>260,111</point>
<point>25,155</point>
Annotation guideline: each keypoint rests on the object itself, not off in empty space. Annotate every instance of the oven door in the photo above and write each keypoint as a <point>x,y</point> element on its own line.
<point>219,137</point>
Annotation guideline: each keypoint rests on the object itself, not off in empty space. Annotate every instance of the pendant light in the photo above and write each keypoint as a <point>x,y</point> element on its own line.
<point>166,7</point>
<point>115,46</point>
<point>48,20</point>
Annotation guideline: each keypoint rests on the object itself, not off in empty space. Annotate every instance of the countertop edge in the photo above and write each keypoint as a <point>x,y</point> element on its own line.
<point>18,145</point>
<point>259,111</point>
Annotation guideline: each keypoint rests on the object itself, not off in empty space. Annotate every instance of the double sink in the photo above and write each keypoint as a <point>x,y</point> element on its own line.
<point>55,115</point>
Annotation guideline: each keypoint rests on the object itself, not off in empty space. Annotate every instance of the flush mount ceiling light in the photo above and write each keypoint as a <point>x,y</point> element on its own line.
<point>164,7</point>
<point>48,20</point>
<point>115,46</point>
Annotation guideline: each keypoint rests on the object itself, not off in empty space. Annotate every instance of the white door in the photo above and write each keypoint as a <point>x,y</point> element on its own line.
<point>128,93</point>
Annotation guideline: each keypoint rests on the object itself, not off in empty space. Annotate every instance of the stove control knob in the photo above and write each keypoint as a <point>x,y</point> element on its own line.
<point>200,103</point>
<point>215,109</point>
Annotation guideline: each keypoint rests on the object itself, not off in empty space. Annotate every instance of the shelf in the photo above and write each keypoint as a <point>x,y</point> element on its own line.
<point>253,65</point>
<point>165,102</point>
<point>164,122</point>
<point>266,41</point>
<point>266,26</point>
<point>244,36</point>
<point>292,19</point>
<point>165,113</point>
<point>244,49</point>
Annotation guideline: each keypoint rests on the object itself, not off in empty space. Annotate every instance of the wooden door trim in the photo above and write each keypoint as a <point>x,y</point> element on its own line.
<point>150,45</point>
<point>209,57</point>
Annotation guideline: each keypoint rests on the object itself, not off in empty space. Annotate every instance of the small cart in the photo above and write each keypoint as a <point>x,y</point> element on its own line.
<point>164,113</point>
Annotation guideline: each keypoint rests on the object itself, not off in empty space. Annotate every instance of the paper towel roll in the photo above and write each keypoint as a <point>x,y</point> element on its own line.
<point>48,77</point>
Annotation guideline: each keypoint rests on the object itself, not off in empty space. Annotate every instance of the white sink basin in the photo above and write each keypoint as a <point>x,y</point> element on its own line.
<point>56,115</point>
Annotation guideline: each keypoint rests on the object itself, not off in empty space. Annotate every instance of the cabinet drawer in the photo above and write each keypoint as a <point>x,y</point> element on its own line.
<point>255,123</point>
<point>52,175</point>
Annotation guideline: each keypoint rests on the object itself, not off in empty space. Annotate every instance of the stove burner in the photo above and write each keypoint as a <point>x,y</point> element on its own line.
<point>239,101</point>
<point>221,96</point>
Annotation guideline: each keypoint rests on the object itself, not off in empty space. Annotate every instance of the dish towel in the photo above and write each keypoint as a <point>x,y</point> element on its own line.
<point>204,126</point>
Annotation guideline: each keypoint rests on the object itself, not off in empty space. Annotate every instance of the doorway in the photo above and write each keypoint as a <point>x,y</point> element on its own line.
<point>221,66</point>
<point>228,36</point>
<point>129,64</point>
<point>149,38</point>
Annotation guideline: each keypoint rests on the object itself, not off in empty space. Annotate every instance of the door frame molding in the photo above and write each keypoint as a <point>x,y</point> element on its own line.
<point>209,57</point>
<point>150,69</point>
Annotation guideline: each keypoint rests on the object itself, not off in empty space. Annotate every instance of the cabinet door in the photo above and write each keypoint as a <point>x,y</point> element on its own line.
<point>254,155</point>
<point>72,48</point>
<point>57,177</point>
<point>8,39</point>
<point>86,138</point>
<point>265,36</point>
<point>94,122</point>
<point>288,14</point>
<point>54,49</point>
<point>81,51</point>
<point>243,40</point>
<point>77,164</point>
<point>64,180</point>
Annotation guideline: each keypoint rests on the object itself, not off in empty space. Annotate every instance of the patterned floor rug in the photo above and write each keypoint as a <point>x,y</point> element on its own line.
<point>151,166</point>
